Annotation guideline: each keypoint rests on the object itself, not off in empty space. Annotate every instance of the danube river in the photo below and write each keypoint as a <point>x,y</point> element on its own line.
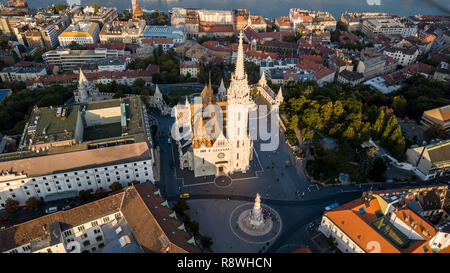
<point>275,8</point>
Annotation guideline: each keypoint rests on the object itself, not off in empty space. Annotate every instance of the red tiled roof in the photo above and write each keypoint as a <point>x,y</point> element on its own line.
<point>73,78</point>
<point>323,72</point>
<point>212,27</point>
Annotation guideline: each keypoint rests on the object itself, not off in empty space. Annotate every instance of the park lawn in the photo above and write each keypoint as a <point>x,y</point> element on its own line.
<point>179,93</point>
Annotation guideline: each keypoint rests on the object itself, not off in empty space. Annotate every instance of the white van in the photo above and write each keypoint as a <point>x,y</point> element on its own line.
<point>51,210</point>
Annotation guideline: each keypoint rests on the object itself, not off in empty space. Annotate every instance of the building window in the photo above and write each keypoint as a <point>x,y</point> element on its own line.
<point>86,243</point>
<point>81,228</point>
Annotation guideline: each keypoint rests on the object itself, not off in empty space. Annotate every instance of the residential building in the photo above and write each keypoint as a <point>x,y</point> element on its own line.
<point>258,23</point>
<point>372,27</point>
<point>241,19</point>
<point>312,20</point>
<point>40,33</point>
<point>17,3</point>
<point>197,52</point>
<point>324,76</point>
<point>85,146</point>
<point>354,20</point>
<point>442,72</point>
<point>212,30</point>
<point>122,32</point>
<point>81,32</point>
<point>105,15</point>
<point>21,74</point>
<point>283,23</point>
<point>224,17</point>
<point>437,116</point>
<point>165,43</point>
<point>67,59</point>
<point>126,77</point>
<point>191,68</point>
<point>351,77</point>
<point>430,161</point>
<point>390,221</point>
<point>136,220</point>
<point>373,65</point>
<point>176,33</point>
<point>403,56</point>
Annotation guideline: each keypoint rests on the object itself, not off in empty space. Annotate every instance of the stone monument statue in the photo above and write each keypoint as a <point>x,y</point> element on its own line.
<point>256,217</point>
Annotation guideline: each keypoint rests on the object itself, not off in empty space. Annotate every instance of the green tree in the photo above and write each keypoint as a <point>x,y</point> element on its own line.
<point>378,125</point>
<point>293,122</point>
<point>399,104</point>
<point>327,111</point>
<point>338,109</point>
<point>310,117</point>
<point>297,103</point>
<point>95,6</point>
<point>206,242</point>
<point>84,194</point>
<point>116,186</point>
<point>32,203</point>
<point>180,207</point>
<point>194,227</point>
<point>378,170</point>
<point>349,133</point>
<point>435,131</point>
<point>11,205</point>
<point>100,192</point>
<point>390,126</point>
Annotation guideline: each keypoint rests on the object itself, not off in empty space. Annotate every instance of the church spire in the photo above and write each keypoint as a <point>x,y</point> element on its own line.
<point>82,78</point>
<point>263,81</point>
<point>239,73</point>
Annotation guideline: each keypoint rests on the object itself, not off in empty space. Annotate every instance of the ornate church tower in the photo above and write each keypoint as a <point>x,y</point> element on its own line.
<point>86,90</point>
<point>239,102</point>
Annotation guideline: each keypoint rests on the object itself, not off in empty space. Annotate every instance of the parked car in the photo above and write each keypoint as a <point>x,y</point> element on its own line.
<point>4,219</point>
<point>51,209</point>
<point>66,207</point>
<point>184,196</point>
<point>169,140</point>
<point>172,165</point>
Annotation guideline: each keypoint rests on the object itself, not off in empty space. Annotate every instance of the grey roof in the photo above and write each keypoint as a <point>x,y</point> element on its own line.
<point>439,154</point>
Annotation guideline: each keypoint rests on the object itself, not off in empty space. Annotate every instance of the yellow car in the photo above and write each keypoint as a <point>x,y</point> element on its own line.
<point>184,196</point>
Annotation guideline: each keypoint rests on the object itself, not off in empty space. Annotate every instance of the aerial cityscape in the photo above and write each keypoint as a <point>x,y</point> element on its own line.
<point>176,127</point>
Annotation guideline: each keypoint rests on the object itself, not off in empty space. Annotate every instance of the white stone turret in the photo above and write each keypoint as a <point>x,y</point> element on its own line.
<point>222,92</point>
<point>263,81</point>
<point>158,95</point>
<point>86,90</point>
<point>279,99</point>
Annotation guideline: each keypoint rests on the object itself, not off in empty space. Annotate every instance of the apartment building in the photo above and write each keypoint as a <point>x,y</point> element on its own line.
<point>86,146</point>
<point>22,74</point>
<point>136,220</point>
<point>81,32</point>
<point>437,116</point>
<point>372,27</point>
<point>430,161</point>
<point>104,15</point>
<point>392,221</point>
<point>312,20</point>
<point>176,33</point>
<point>354,20</point>
<point>40,33</point>
<point>122,32</point>
<point>67,59</point>
<point>403,56</point>
<point>189,67</point>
